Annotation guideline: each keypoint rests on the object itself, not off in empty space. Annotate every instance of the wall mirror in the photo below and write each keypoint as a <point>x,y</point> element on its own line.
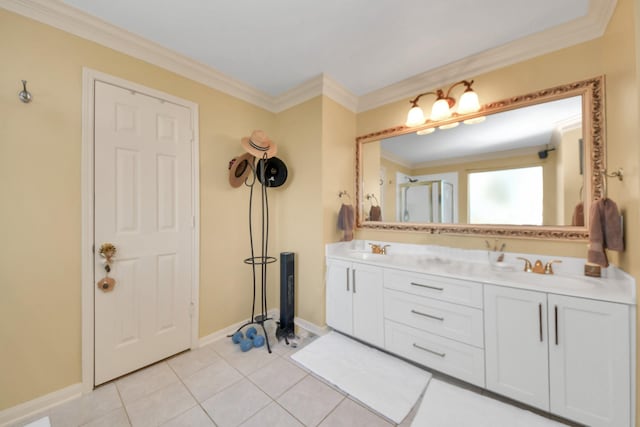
<point>529,169</point>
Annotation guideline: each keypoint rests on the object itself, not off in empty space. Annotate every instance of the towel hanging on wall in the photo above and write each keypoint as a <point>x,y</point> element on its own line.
<point>605,231</point>
<point>345,222</point>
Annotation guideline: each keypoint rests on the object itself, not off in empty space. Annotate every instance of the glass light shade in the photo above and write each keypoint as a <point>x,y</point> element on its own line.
<point>475,120</point>
<point>440,110</point>
<point>426,131</point>
<point>468,103</point>
<point>415,117</point>
<point>449,126</point>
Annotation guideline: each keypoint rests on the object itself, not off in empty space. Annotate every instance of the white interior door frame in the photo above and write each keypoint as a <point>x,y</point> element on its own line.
<point>89,77</point>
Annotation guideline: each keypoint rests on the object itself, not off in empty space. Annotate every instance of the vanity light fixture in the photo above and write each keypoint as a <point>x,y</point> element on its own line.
<point>441,109</point>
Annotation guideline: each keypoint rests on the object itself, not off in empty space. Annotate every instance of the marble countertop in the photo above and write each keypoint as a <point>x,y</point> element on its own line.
<point>615,285</point>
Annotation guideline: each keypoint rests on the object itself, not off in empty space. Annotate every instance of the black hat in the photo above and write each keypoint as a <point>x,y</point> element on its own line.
<point>275,172</point>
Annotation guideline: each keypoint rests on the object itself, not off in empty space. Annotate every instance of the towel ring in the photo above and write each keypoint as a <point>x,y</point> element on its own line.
<point>372,196</point>
<point>619,173</point>
<point>344,193</point>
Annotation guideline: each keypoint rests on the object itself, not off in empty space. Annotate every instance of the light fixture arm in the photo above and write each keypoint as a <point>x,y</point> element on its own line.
<point>414,102</point>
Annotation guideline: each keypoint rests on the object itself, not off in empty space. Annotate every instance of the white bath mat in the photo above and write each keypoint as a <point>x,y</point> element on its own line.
<point>386,384</point>
<point>42,422</point>
<point>445,405</point>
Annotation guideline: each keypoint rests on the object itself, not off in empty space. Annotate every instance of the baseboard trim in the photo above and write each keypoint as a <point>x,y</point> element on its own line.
<point>222,333</point>
<point>310,326</point>
<point>39,404</point>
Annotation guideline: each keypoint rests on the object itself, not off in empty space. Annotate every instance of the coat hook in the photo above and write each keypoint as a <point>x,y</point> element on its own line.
<point>24,95</point>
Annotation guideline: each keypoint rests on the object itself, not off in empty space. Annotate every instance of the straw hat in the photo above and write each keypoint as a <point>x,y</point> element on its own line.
<point>274,170</point>
<point>259,144</point>
<point>239,168</point>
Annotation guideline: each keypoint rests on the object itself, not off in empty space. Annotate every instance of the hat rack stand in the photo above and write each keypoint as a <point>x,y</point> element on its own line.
<point>259,262</point>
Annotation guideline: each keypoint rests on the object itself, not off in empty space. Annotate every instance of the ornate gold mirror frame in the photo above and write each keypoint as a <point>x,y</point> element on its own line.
<point>593,113</point>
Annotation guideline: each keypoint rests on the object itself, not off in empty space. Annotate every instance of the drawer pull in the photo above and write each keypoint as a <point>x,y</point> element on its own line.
<point>427,286</point>
<point>430,316</point>
<point>429,351</point>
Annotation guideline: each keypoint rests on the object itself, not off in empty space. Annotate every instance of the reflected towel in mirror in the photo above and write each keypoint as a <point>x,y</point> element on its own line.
<point>375,213</point>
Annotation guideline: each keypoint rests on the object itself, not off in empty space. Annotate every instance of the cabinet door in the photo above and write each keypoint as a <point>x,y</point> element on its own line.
<point>589,358</point>
<point>368,312</point>
<point>339,308</point>
<point>516,344</point>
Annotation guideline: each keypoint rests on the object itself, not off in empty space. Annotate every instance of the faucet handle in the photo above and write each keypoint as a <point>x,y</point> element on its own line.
<point>527,264</point>
<point>547,268</point>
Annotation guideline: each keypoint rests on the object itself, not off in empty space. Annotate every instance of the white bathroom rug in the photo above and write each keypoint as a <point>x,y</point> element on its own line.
<point>384,383</point>
<point>446,405</point>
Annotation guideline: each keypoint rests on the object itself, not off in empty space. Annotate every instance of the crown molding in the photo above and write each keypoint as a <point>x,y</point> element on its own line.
<point>66,18</point>
<point>588,27</point>
<point>334,90</point>
<point>319,85</point>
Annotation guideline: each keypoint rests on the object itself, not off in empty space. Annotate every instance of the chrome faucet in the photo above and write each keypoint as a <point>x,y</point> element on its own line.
<point>378,249</point>
<point>538,266</point>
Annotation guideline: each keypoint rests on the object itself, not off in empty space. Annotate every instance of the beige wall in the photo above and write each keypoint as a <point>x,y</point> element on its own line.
<point>40,145</point>
<point>40,151</point>
<point>612,55</point>
<point>300,203</point>
<point>616,55</point>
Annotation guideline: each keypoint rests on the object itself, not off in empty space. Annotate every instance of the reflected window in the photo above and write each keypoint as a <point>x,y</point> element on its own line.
<point>508,196</point>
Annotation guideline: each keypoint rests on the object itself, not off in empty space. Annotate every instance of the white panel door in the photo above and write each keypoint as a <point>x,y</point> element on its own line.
<point>339,309</point>
<point>143,205</point>
<point>368,308</point>
<point>516,343</point>
<point>589,361</point>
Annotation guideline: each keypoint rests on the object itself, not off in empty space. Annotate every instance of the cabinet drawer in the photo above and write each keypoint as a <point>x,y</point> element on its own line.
<point>450,357</point>
<point>441,288</point>
<point>457,322</point>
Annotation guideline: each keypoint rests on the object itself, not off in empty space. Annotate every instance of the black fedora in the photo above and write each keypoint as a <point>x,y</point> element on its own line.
<point>274,170</point>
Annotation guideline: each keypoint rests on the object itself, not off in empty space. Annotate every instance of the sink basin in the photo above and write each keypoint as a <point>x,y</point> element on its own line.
<point>367,256</point>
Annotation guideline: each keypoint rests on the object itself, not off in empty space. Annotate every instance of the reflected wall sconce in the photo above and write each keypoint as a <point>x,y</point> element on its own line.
<point>442,108</point>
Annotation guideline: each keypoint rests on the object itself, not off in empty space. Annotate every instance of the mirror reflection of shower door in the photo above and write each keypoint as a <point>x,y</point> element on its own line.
<point>416,202</point>
<point>427,201</point>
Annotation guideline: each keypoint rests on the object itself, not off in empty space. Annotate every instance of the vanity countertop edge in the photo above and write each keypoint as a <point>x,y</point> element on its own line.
<point>615,286</point>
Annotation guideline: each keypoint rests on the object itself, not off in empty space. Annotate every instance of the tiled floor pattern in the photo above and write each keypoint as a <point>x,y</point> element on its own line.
<point>218,385</point>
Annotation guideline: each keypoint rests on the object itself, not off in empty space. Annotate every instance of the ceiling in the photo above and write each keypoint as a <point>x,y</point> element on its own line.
<point>364,45</point>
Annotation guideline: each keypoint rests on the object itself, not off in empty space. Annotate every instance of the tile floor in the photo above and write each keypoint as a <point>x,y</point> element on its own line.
<point>218,385</point>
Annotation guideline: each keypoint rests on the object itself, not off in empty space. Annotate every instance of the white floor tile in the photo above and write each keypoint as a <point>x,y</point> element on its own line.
<point>194,417</point>
<point>160,406</point>
<point>210,380</point>
<point>192,361</point>
<point>146,381</point>
<point>310,400</point>
<point>235,404</point>
<point>250,361</point>
<point>272,415</point>
<point>116,418</point>
<point>351,414</point>
<point>277,377</point>
<point>87,408</point>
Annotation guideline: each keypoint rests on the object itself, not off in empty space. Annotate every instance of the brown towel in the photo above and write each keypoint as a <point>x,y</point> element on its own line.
<point>375,213</point>
<point>605,231</point>
<point>578,215</point>
<point>345,222</point>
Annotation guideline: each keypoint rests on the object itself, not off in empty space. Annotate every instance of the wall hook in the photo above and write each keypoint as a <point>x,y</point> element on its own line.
<point>617,174</point>
<point>24,95</point>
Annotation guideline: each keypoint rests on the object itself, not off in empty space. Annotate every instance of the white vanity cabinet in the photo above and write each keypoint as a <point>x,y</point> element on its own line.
<point>435,321</point>
<point>354,300</point>
<point>566,355</point>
